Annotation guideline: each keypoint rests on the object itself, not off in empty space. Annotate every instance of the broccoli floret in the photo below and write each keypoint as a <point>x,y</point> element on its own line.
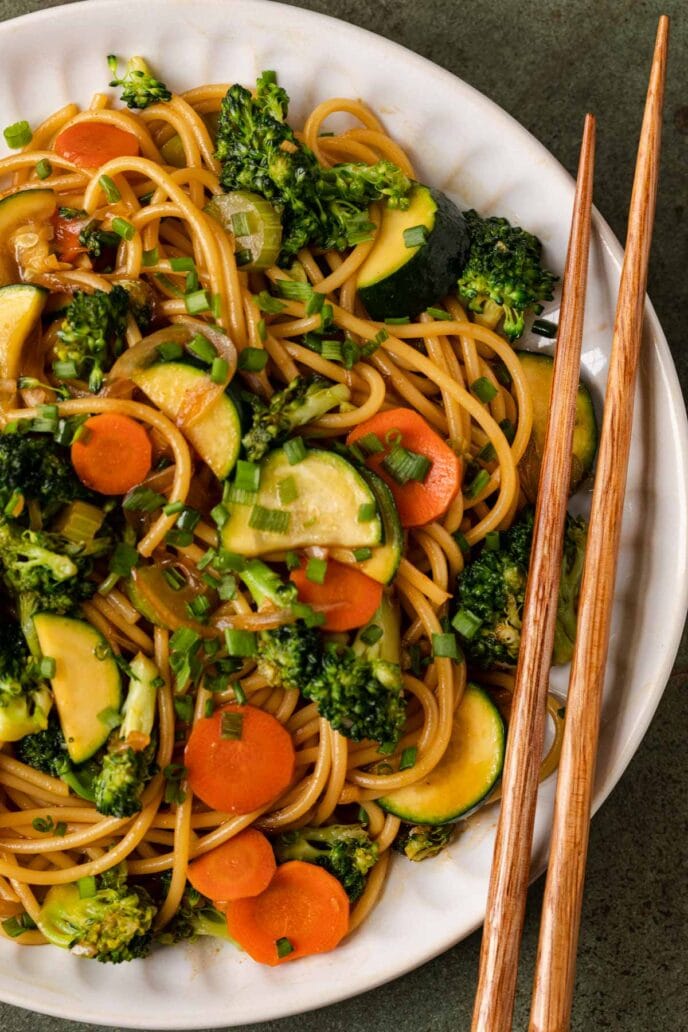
<point>424,840</point>
<point>25,698</point>
<point>290,656</point>
<point>96,240</point>
<point>491,592</point>
<point>503,278</point>
<point>345,850</point>
<point>359,690</point>
<point>325,207</point>
<point>195,916</point>
<point>126,769</point>
<point>47,751</point>
<point>140,87</point>
<point>40,470</point>
<point>102,918</point>
<point>299,403</point>
<point>141,301</point>
<point>44,572</point>
<point>92,334</point>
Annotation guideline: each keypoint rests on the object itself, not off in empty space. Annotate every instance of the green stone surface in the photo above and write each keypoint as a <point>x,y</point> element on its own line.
<point>547,63</point>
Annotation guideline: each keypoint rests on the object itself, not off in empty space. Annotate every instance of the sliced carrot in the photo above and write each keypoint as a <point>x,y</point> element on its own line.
<point>67,236</point>
<point>347,597</point>
<point>417,502</point>
<point>304,910</point>
<point>242,867</point>
<point>92,144</point>
<point>244,773</point>
<point>114,454</point>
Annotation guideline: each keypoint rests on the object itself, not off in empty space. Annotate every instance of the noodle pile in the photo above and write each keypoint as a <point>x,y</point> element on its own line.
<point>426,365</point>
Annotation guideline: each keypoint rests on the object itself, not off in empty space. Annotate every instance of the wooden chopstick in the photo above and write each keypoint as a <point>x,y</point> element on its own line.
<point>556,958</point>
<point>511,861</point>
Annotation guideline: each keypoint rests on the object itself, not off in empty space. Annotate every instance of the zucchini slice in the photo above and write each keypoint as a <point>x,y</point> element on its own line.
<point>538,369</point>
<point>216,435</point>
<point>331,505</point>
<point>254,225</point>
<point>401,278</point>
<point>20,308</point>
<point>384,562</point>
<point>467,772</point>
<point>86,681</point>
<point>18,210</point>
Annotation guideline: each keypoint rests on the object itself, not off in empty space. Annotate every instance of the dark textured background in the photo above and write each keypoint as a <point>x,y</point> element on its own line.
<point>547,63</point>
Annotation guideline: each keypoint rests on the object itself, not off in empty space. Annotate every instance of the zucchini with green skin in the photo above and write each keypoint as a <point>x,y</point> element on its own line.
<point>330,505</point>
<point>384,561</point>
<point>538,370</point>
<point>401,278</point>
<point>216,434</point>
<point>85,683</point>
<point>21,305</point>
<point>467,772</point>
<point>254,225</point>
<point>18,210</point>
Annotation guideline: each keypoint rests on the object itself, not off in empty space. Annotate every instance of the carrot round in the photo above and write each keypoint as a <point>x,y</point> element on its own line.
<point>417,502</point>
<point>239,760</point>
<point>114,455</point>
<point>304,910</point>
<point>242,867</point>
<point>92,144</point>
<point>347,597</point>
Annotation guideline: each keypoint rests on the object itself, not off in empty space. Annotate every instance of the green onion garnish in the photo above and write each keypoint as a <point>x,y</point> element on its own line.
<point>247,476</point>
<point>220,515</point>
<point>316,570</point>
<point>197,302</point>
<point>200,347</point>
<point>295,450</point>
<point>170,351</point>
<point>240,643</point>
<point>18,135</point>
<point>444,646</point>
<point>332,350</point>
<point>240,224</point>
<point>253,360</point>
<point>315,303</point>
<point>65,370</point>
<point>44,169</point>
<point>478,484</point>
<point>487,453</point>
<point>294,291</point>
<point>171,509</point>
<point>415,236</point>
<point>173,578</point>
<point>188,518</point>
<point>371,443</point>
<point>184,707</point>
<point>439,313</point>
<point>182,265</point>
<point>191,283</point>
<point>143,499</point>
<point>367,511</point>
<point>283,947</point>
<point>123,229</point>
<point>404,465</point>
<point>361,554</point>
<point>262,330</point>
<point>508,429</point>
<point>231,726</point>
<point>179,538</point>
<point>150,258</point>
<point>292,560</point>
<point>502,374</point>
<point>226,589</point>
<point>47,667</point>
<point>16,926</point>
<point>545,328</point>
<point>268,304</point>
<point>397,320</point>
<point>484,389</point>
<point>408,758</point>
<point>371,634</point>
<point>287,490</point>
<point>467,624</point>
<point>198,608</point>
<point>123,559</point>
<point>219,370</point>
<point>112,194</point>
<point>243,256</point>
<point>275,521</point>
<point>492,541</point>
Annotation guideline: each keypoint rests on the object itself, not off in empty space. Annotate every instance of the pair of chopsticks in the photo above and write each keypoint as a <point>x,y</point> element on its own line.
<point>555,965</point>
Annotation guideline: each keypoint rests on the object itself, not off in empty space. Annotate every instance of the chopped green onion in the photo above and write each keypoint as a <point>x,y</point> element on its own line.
<point>112,194</point>
<point>188,519</point>
<point>316,570</point>
<point>397,320</point>
<point>171,509</point>
<point>231,726</point>
<point>508,429</point>
<point>179,538</point>
<point>182,265</point>
<point>262,330</point>
<point>502,374</point>
<point>332,350</point>
<point>478,484</point>
<point>275,521</point>
<point>415,236</point>
<point>197,302</point>
<point>44,169</point>
<point>545,328</point>
<point>150,258</point>
<point>283,947</point>
<point>240,495</point>
<point>198,608</point>
<point>123,229</point>
<point>287,490</point>
<point>393,436</point>
<point>253,360</point>
<point>124,559</point>
<point>200,347</point>
<point>487,453</point>
<point>15,504</point>
<point>240,224</point>
<point>226,589</point>
<point>18,135</point>
<point>209,708</point>
<point>268,304</point>
<point>361,554</point>
<point>240,643</point>
<point>467,624</point>
<point>191,282</point>
<point>315,303</point>
<point>65,370</point>
<point>294,291</point>
<point>220,515</point>
<point>247,476</point>
<point>47,667</point>
<point>143,499</point>
<point>371,443</point>
<point>439,313</point>
<point>367,511</point>
<point>173,578</point>
<point>219,370</point>
<point>184,707</point>
<point>295,450</point>
<point>170,351</point>
<point>243,256</point>
<point>371,634</point>
<point>292,560</point>
<point>408,758</point>
<point>16,926</point>
<point>444,646</point>
<point>230,561</point>
<point>404,465</point>
<point>484,389</point>
<point>86,886</point>
<point>492,541</point>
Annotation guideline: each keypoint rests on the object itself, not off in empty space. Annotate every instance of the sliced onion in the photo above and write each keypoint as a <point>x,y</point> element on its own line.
<point>144,354</point>
<point>265,620</point>
<point>223,344</point>
<point>196,401</point>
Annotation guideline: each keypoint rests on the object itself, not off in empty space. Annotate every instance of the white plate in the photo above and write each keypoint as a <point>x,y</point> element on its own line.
<point>467,146</point>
